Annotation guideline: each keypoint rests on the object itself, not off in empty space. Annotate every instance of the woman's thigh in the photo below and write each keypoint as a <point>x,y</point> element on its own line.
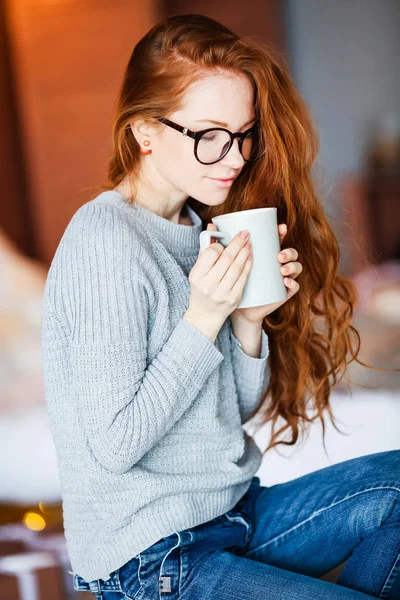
<point>222,575</point>
<point>275,543</point>
<point>313,523</point>
<point>199,564</point>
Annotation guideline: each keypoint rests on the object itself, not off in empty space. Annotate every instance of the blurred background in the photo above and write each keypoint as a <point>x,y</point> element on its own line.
<point>61,65</point>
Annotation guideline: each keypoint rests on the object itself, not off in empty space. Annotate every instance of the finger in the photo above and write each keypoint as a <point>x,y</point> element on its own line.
<point>212,227</point>
<point>231,261</point>
<point>282,229</point>
<point>292,285</point>
<point>207,260</point>
<point>238,286</point>
<point>291,255</point>
<point>292,269</point>
<point>217,261</point>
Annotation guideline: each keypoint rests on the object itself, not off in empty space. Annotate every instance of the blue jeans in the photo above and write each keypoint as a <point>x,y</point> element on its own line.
<point>278,541</point>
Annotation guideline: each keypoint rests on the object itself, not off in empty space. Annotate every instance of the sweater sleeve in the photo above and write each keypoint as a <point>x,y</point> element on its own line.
<point>251,374</point>
<point>125,403</point>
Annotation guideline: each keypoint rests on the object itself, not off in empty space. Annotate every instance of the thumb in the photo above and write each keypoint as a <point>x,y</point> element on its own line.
<point>211,226</point>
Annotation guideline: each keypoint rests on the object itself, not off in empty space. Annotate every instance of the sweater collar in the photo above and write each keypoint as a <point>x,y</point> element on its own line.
<point>174,235</point>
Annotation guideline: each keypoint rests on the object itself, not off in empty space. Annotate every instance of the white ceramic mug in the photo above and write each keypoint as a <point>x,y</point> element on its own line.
<point>265,283</point>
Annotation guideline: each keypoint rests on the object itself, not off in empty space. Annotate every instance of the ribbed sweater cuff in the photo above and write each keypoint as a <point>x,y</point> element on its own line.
<point>193,346</point>
<point>251,368</point>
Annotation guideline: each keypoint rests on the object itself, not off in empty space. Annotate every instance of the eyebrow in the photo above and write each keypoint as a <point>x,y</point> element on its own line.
<point>220,123</point>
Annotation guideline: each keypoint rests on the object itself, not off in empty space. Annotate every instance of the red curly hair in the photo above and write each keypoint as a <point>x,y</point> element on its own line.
<point>311,336</point>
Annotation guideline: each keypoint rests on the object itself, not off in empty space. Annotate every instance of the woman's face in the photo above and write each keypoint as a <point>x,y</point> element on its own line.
<point>226,98</point>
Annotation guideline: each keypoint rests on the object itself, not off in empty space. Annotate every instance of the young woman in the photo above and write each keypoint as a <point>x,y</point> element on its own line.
<point>148,381</point>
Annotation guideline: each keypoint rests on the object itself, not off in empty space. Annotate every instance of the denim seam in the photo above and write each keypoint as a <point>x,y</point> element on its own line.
<point>180,568</point>
<point>110,585</point>
<point>140,582</point>
<point>162,562</point>
<point>186,586</point>
<point>281,535</point>
<point>109,588</point>
<point>95,588</point>
<point>240,519</point>
<point>391,577</point>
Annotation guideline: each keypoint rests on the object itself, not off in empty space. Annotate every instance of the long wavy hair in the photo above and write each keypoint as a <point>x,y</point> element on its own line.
<point>311,338</point>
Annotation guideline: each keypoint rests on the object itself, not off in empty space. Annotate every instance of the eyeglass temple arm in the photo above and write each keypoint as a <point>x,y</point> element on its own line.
<point>183,130</point>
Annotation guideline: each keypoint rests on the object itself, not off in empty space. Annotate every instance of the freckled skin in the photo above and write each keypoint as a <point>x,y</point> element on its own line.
<point>170,174</point>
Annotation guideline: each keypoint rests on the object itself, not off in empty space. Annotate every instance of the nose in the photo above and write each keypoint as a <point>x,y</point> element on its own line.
<point>234,157</point>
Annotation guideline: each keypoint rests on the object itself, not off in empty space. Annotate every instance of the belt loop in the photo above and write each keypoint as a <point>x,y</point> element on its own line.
<point>185,537</point>
<point>95,588</point>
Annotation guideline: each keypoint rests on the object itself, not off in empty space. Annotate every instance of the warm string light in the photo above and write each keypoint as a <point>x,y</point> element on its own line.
<point>34,521</point>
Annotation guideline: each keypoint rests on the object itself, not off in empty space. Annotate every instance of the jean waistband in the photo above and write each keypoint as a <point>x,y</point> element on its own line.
<point>227,529</point>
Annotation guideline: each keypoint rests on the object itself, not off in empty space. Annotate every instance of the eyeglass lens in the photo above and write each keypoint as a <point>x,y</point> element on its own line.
<point>213,144</point>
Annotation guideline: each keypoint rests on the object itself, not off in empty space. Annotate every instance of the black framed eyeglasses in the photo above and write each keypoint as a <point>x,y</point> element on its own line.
<point>211,145</point>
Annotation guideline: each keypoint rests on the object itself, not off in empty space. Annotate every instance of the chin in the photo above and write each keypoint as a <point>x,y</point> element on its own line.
<point>214,197</point>
<point>221,197</point>
<point>208,201</point>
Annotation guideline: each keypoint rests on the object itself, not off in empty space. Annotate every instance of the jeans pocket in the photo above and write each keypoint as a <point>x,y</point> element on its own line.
<point>129,578</point>
<point>161,567</point>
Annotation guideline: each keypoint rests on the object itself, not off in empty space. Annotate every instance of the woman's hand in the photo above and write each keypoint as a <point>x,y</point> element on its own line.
<point>290,269</point>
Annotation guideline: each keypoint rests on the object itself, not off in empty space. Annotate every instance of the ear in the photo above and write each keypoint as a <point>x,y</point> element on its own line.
<point>141,130</point>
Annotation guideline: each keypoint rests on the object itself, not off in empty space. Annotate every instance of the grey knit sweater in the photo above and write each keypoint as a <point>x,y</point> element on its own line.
<point>145,410</point>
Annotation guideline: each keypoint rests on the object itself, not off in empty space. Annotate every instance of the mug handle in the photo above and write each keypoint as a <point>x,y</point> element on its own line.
<point>205,238</point>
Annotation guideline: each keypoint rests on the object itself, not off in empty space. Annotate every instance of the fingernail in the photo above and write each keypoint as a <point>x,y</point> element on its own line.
<point>244,234</point>
<point>283,254</point>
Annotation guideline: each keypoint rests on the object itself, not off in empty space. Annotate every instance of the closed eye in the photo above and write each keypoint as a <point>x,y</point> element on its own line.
<point>220,124</point>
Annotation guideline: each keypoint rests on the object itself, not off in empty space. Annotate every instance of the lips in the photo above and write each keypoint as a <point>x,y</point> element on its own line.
<point>223,183</point>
